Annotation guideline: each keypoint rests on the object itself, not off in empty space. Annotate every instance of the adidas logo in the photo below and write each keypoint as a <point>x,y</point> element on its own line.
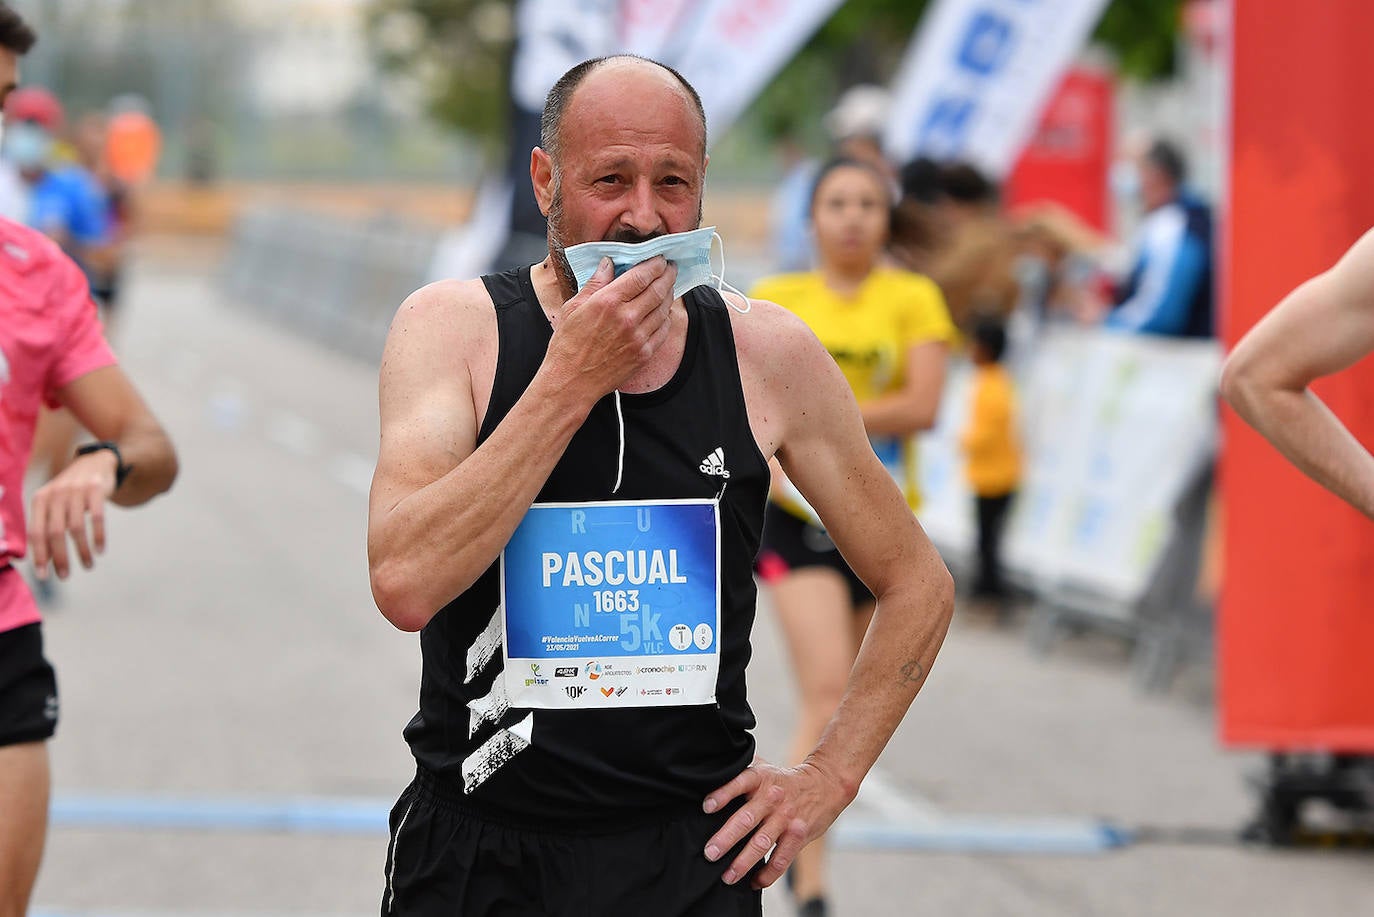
<point>714,464</point>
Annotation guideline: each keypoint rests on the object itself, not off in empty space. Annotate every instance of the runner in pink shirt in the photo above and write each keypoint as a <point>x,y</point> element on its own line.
<point>52,350</point>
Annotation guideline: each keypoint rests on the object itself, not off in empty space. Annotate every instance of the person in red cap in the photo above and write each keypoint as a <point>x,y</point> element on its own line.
<point>52,351</point>
<point>66,202</point>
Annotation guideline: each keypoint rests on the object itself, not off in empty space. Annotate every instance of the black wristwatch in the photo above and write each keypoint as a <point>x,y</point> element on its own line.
<point>121,470</point>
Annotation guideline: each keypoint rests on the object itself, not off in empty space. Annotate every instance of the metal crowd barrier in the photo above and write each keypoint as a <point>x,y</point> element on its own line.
<point>335,280</point>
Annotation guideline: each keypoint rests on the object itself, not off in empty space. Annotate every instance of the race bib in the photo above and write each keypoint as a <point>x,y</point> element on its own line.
<point>613,605</point>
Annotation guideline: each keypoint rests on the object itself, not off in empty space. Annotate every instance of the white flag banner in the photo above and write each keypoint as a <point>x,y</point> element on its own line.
<point>654,28</point>
<point>552,36</point>
<point>978,73</point>
<point>737,46</point>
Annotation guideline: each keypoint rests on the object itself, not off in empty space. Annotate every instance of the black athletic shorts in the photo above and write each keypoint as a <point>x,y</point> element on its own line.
<point>791,544</point>
<point>28,687</point>
<point>446,859</point>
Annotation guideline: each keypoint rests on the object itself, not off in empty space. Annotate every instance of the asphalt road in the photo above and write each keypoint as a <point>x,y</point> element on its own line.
<point>227,648</point>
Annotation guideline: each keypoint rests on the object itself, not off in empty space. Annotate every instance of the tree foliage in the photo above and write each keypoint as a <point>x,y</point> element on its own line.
<point>459,51</point>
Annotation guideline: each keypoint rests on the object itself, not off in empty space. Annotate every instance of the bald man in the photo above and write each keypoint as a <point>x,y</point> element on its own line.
<point>1322,327</point>
<point>568,498</point>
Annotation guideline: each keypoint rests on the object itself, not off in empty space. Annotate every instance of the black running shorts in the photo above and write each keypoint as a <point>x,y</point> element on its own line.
<point>28,687</point>
<point>446,859</point>
<point>791,544</point>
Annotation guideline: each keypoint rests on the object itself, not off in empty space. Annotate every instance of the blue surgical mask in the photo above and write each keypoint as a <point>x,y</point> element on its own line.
<point>27,145</point>
<point>690,251</point>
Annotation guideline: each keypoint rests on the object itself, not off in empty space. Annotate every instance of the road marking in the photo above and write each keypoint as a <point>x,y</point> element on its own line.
<point>977,834</point>
<point>879,794</point>
<point>361,816</point>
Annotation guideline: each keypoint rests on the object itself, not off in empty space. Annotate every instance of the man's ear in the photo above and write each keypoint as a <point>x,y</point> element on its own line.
<point>541,177</point>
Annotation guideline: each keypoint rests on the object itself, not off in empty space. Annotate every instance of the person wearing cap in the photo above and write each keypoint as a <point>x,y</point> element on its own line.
<point>1169,288</point>
<point>68,205</point>
<point>66,202</point>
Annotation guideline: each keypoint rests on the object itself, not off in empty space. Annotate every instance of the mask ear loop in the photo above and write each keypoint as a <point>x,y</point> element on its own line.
<point>620,453</point>
<point>721,285</point>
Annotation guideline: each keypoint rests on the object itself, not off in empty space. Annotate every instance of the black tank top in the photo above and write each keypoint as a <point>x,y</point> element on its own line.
<point>629,763</point>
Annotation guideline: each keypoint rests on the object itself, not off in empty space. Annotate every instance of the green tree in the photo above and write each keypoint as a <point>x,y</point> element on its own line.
<point>458,54</point>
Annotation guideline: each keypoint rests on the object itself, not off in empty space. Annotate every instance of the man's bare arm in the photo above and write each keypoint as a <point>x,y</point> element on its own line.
<point>1322,327</point>
<point>106,404</point>
<point>442,508</point>
<point>826,454</point>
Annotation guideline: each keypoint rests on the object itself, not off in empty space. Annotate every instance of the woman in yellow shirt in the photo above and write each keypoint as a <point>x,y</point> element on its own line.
<point>889,332</point>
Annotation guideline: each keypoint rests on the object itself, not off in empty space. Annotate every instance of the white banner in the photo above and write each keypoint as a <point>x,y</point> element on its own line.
<point>552,35</point>
<point>977,75</point>
<point>737,46</point>
<point>727,49</point>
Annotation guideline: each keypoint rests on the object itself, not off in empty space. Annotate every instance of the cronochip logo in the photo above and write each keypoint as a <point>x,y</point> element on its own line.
<point>656,670</point>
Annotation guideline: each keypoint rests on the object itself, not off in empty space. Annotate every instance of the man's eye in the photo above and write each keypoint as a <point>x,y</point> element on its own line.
<point>674,180</point>
<point>609,179</point>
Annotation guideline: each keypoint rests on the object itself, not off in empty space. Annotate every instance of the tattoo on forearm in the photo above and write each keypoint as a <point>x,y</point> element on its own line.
<point>912,672</point>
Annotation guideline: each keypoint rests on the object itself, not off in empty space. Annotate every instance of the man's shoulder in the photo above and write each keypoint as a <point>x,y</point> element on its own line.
<point>771,338</point>
<point>447,301</point>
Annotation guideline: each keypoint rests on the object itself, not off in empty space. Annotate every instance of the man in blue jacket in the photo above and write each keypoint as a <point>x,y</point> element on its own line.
<point>1169,288</point>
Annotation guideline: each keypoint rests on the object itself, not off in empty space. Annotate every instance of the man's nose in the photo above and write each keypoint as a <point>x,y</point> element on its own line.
<point>641,214</point>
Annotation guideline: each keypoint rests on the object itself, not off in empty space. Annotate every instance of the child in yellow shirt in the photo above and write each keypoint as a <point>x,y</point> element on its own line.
<point>992,448</point>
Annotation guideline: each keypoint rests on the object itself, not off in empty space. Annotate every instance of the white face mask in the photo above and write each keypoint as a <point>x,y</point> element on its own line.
<point>690,251</point>
<point>27,145</point>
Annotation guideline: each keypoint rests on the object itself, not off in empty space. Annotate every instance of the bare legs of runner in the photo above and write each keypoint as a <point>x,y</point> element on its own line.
<point>24,783</point>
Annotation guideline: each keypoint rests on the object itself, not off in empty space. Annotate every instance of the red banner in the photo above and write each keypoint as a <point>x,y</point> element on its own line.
<point>1066,160</point>
<point>1296,628</point>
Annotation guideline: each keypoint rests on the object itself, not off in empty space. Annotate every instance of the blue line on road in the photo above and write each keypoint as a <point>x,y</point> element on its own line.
<point>954,834</point>
<point>342,816</point>
<point>305,815</point>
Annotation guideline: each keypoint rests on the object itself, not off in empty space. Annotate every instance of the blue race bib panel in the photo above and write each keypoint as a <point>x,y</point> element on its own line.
<point>613,604</point>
